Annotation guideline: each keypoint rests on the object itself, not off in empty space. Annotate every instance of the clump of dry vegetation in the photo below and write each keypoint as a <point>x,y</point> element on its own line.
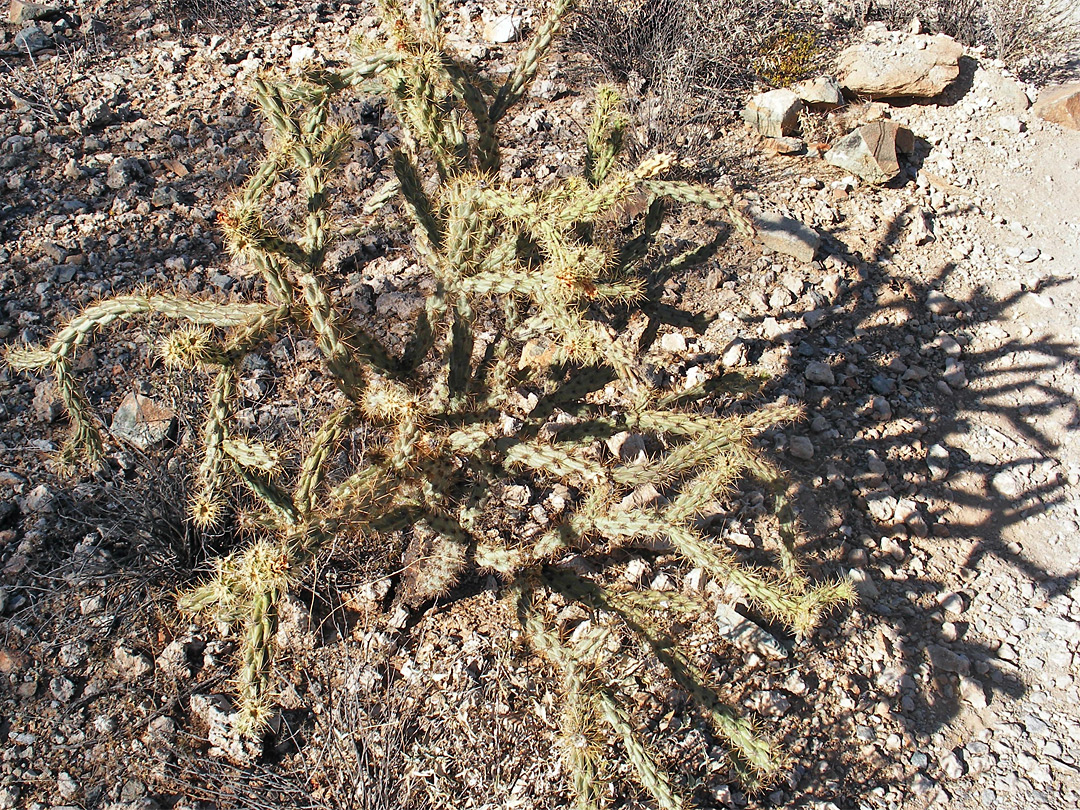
<point>1027,34</point>
<point>685,63</point>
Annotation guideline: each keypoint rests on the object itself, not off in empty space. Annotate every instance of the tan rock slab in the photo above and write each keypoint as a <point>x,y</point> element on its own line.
<point>894,64</point>
<point>1004,91</point>
<point>142,421</point>
<point>1060,105</point>
<point>788,145</point>
<point>786,235</point>
<point>21,12</point>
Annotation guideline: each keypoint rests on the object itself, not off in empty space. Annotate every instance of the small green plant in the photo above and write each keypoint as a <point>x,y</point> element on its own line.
<point>787,56</point>
<point>547,275</point>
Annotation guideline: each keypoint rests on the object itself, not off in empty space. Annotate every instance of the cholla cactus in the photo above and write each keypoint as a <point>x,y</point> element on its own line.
<point>535,260</point>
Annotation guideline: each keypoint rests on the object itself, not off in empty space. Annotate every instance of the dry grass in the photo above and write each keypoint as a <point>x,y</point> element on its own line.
<point>214,15</point>
<point>1028,35</point>
<point>687,64</point>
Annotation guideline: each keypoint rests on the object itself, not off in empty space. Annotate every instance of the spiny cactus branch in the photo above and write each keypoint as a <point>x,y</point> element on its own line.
<point>525,71</point>
<point>651,776</point>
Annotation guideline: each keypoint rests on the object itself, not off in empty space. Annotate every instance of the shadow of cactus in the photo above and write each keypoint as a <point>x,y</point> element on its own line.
<point>526,284</point>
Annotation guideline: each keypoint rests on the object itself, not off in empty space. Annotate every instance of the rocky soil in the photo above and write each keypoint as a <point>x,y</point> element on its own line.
<point>931,333</point>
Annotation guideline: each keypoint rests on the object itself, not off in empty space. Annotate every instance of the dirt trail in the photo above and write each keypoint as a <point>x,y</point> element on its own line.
<point>941,390</point>
<point>1019,414</point>
<point>1004,192</point>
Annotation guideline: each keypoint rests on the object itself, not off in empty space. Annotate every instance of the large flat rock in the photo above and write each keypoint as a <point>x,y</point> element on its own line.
<point>786,235</point>
<point>821,93</point>
<point>21,12</point>
<point>142,421</point>
<point>893,64</point>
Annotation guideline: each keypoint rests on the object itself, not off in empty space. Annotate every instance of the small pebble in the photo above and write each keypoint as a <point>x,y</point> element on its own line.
<point>952,604</point>
<point>819,373</point>
<point>801,448</point>
<point>952,766</point>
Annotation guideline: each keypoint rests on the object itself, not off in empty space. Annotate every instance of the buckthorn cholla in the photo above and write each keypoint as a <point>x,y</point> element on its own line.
<point>534,262</point>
